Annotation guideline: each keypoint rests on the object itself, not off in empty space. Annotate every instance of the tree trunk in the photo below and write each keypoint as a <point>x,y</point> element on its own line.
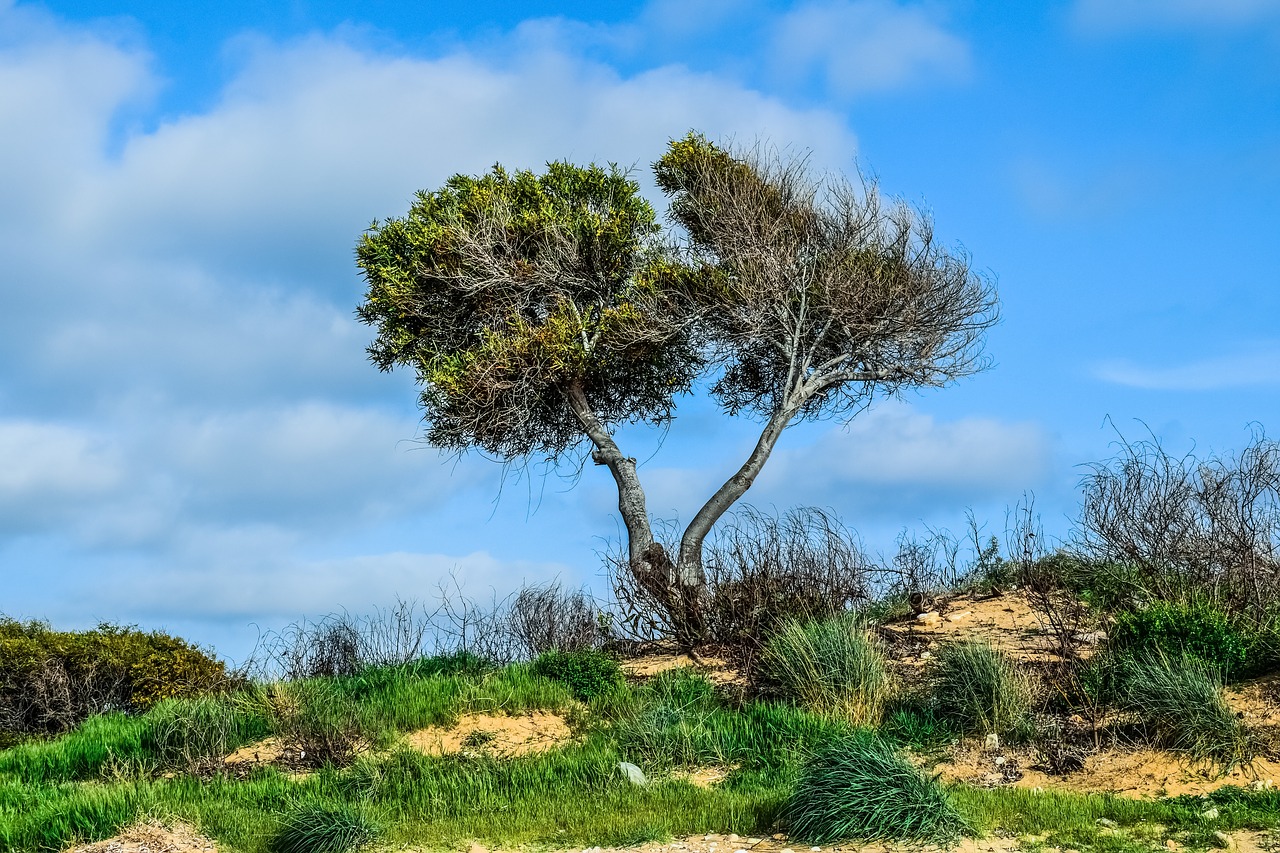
<point>649,561</point>
<point>690,574</point>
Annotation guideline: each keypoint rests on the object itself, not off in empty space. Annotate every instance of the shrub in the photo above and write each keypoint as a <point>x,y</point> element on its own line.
<point>1196,630</point>
<point>50,680</point>
<point>1180,703</point>
<point>859,789</point>
<point>979,689</point>
<point>324,829</point>
<point>549,619</point>
<point>587,672</point>
<point>762,569</point>
<point>832,666</point>
<point>315,719</point>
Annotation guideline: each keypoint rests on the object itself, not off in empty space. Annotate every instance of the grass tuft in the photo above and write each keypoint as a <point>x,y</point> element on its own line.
<point>324,829</point>
<point>979,689</point>
<point>1180,702</point>
<point>832,666</point>
<point>859,789</point>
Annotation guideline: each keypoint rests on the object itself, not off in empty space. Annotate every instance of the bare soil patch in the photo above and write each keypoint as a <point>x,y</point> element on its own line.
<point>152,837</point>
<point>1007,622</point>
<point>500,735</point>
<point>716,669</point>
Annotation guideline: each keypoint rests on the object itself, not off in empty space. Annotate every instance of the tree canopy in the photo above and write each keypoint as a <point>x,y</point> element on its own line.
<point>541,311</point>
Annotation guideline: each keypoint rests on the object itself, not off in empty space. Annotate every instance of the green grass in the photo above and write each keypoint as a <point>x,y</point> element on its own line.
<point>978,689</point>
<point>832,666</point>
<point>324,829</point>
<point>1181,705</point>
<point>786,762</point>
<point>858,789</point>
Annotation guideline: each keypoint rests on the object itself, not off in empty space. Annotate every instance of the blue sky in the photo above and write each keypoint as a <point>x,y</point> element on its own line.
<point>191,437</point>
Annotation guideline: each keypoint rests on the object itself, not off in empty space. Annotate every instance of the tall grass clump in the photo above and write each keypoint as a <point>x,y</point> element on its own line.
<point>977,688</point>
<point>857,788</point>
<point>187,733</point>
<point>324,829</point>
<point>1180,703</point>
<point>832,666</point>
<point>316,719</point>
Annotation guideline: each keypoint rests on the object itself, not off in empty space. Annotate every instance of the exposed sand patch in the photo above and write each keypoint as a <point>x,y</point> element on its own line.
<point>1133,773</point>
<point>716,669</point>
<point>1007,622</point>
<point>269,751</point>
<point>705,777</point>
<point>501,735</point>
<point>152,837</point>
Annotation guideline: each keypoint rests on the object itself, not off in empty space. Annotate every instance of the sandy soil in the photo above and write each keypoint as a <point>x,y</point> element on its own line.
<point>499,735</point>
<point>1006,621</point>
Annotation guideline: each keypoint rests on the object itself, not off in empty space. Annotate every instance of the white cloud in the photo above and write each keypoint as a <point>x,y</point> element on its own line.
<point>1110,16</point>
<point>49,472</point>
<point>894,460</point>
<point>868,45</point>
<point>1255,366</point>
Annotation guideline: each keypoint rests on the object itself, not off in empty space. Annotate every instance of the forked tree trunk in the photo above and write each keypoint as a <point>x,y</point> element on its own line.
<point>680,586</point>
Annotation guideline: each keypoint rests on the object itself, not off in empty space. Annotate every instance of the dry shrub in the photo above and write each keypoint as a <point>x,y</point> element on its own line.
<point>1190,528</point>
<point>762,569</point>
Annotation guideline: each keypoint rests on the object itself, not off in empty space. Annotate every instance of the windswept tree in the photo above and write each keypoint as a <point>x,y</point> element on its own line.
<point>543,311</point>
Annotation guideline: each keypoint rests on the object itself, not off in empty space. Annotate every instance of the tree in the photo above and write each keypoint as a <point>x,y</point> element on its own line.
<point>542,311</point>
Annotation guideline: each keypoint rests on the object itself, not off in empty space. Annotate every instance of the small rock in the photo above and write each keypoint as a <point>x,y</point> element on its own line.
<point>930,618</point>
<point>778,836</point>
<point>992,741</point>
<point>1001,761</point>
<point>1262,784</point>
<point>733,836</point>
<point>633,774</point>
<point>787,850</point>
<point>1107,822</point>
<point>739,850</point>
<point>1209,814</point>
<point>1171,844</point>
<point>1226,842</point>
<point>814,849</point>
<point>960,617</point>
<point>926,655</point>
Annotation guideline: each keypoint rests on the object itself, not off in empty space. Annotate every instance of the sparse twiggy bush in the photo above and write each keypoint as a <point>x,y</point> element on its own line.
<point>979,689</point>
<point>315,721</point>
<point>1190,528</point>
<point>858,789</point>
<point>832,665</point>
<point>761,570</point>
<point>548,618</point>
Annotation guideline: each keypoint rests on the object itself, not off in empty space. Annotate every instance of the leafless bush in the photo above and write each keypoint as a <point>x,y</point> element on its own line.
<point>548,618</point>
<point>761,569</point>
<point>1045,576</point>
<point>1190,527</point>
<point>516,627</point>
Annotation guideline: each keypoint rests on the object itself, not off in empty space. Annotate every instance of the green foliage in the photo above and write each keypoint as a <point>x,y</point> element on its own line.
<point>1197,630</point>
<point>324,829</point>
<point>977,688</point>
<point>830,665</point>
<point>1180,702</point>
<point>505,290</point>
<point>587,672</point>
<point>51,680</point>
<point>187,733</point>
<point>858,789</point>
<point>917,724</point>
<point>100,743</point>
